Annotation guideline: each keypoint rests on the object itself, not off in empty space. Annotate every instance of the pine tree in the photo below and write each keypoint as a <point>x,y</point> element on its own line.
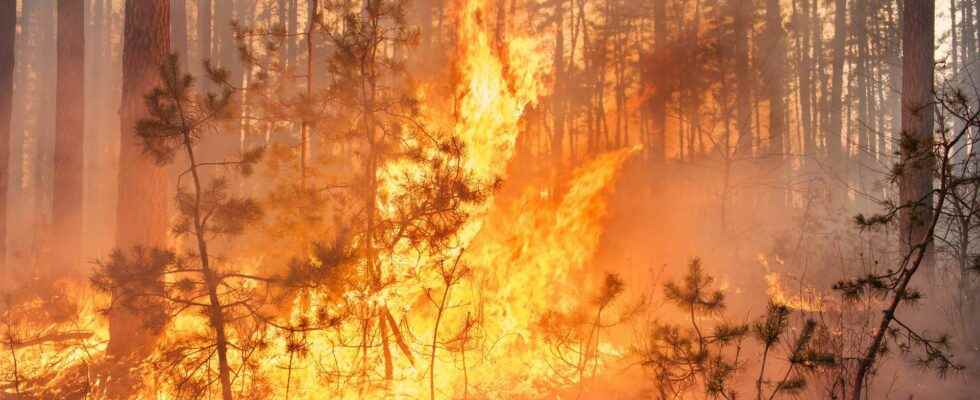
<point>710,354</point>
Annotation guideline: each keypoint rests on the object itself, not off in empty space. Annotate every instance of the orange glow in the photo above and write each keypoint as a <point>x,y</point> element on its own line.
<point>525,255</point>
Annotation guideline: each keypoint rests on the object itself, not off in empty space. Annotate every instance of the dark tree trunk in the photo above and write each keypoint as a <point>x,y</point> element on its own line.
<point>774,70</point>
<point>557,98</point>
<point>835,126</point>
<point>915,184</point>
<point>658,101</point>
<point>774,43</point>
<point>742,14</point>
<point>8,33</point>
<point>69,137</point>
<point>805,74</point>
<point>142,207</point>
<point>862,77</point>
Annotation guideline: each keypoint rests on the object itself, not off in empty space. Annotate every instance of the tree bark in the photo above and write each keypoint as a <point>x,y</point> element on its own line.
<point>557,98</point>
<point>292,28</point>
<point>805,76</point>
<point>742,15</point>
<point>658,102</point>
<point>862,78</point>
<point>918,161</point>
<point>69,137</point>
<point>773,65</point>
<point>142,208</point>
<point>204,33</point>
<point>8,33</point>
<point>835,127</point>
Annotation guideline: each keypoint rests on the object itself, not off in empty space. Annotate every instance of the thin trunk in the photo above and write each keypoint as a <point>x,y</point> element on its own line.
<point>658,101</point>
<point>292,28</point>
<point>835,127</point>
<point>304,157</point>
<point>558,97</point>
<point>805,77</point>
<point>862,72</point>
<point>742,16</point>
<point>178,31</point>
<point>215,310</point>
<point>774,68</point>
<point>204,34</point>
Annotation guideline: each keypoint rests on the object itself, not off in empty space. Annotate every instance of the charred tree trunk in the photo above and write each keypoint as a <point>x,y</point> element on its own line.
<point>8,33</point>
<point>142,207</point>
<point>69,137</point>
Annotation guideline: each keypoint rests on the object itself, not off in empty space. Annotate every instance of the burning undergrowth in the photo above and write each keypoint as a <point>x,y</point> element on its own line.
<point>494,297</point>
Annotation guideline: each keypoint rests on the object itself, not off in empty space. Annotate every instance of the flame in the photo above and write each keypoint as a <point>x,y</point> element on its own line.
<point>809,300</point>
<point>525,255</point>
<point>498,87</point>
<point>51,339</point>
<point>522,254</point>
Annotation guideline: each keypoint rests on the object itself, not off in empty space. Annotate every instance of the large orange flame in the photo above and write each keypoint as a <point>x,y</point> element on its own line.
<point>525,255</point>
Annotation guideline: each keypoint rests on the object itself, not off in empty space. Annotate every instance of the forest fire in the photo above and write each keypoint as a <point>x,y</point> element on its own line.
<point>488,199</point>
<point>448,335</point>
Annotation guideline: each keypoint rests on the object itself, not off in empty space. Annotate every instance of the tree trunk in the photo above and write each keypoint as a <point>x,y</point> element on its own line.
<point>178,30</point>
<point>43,157</point>
<point>203,35</point>
<point>69,137</point>
<point>224,38</point>
<point>742,13</point>
<point>804,75</point>
<point>557,97</point>
<point>24,133</point>
<point>918,161</point>
<point>8,33</point>
<point>835,127</point>
<point>773,65</point>
<point>862,72</point>
<point>292,28</point>
<point>658,102</point>
<point>142,207</point>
